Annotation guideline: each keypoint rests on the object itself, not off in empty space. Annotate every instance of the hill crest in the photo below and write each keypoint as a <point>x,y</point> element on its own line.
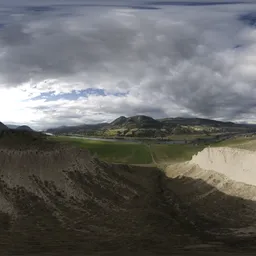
<point>24,128</point>
<point>146,126</point>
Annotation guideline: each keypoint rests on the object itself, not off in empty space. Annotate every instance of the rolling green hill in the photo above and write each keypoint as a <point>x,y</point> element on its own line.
<point>140,121</point>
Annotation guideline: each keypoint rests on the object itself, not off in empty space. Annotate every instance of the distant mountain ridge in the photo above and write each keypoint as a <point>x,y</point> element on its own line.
<point>76,129</point>
<point>17,127</point>
<point>147,126</point>
<point>24,128</point>
<point>12,126</point>
<point>195,121</point>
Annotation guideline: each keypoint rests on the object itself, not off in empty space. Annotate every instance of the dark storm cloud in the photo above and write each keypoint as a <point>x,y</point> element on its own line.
<point>249,18</point>
<point>175,61</point>
<point>39,9</point>
<point>196,3</point>
<point>12,35</point>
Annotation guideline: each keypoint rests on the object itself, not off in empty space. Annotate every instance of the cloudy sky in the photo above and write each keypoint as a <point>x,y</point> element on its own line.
<point>72,62</point>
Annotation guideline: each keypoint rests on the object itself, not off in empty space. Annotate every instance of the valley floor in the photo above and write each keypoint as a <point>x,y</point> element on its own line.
<point>133,153</point>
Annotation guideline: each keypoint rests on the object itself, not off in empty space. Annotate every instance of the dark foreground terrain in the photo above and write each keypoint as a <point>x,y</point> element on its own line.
<point>59,200</point>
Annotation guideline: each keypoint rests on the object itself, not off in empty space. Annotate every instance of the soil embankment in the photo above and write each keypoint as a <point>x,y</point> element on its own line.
<point>236,164</point>
<point>55,198</point>
<point>219,184</point>
<point>59,199</point>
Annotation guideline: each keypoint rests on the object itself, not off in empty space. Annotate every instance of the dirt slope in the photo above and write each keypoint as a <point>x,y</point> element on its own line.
<point>219,183</point>
<point>236,164</point>
<point>60,200</point>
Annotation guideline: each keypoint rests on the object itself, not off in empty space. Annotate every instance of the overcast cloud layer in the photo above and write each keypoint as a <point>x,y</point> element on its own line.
<point>70,62</point>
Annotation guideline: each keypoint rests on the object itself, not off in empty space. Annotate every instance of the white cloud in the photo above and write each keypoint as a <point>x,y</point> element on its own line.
<point>174,61</point>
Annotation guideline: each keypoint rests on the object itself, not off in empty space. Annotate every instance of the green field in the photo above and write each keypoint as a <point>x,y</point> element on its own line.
<point>145,154</point>
<point>133,153</point>
<point>190,136</point>
<point>235,142</point>
<point>164,153</point>
<point>117,152</point>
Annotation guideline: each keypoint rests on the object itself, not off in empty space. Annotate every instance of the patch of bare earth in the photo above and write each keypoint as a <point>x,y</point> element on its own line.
<point>219,184</point>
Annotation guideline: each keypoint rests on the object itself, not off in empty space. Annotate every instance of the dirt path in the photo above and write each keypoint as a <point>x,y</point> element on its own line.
<point>162,165</point>
<point>152,155</point>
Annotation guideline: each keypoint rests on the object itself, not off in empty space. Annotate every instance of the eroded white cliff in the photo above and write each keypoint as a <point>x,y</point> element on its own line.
<point>236,164</point>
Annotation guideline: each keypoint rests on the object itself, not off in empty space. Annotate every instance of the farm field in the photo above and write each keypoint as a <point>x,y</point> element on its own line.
<point>133,153</point>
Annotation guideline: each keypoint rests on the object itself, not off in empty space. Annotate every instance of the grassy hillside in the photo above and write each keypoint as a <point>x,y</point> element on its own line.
<point>139,121</point>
